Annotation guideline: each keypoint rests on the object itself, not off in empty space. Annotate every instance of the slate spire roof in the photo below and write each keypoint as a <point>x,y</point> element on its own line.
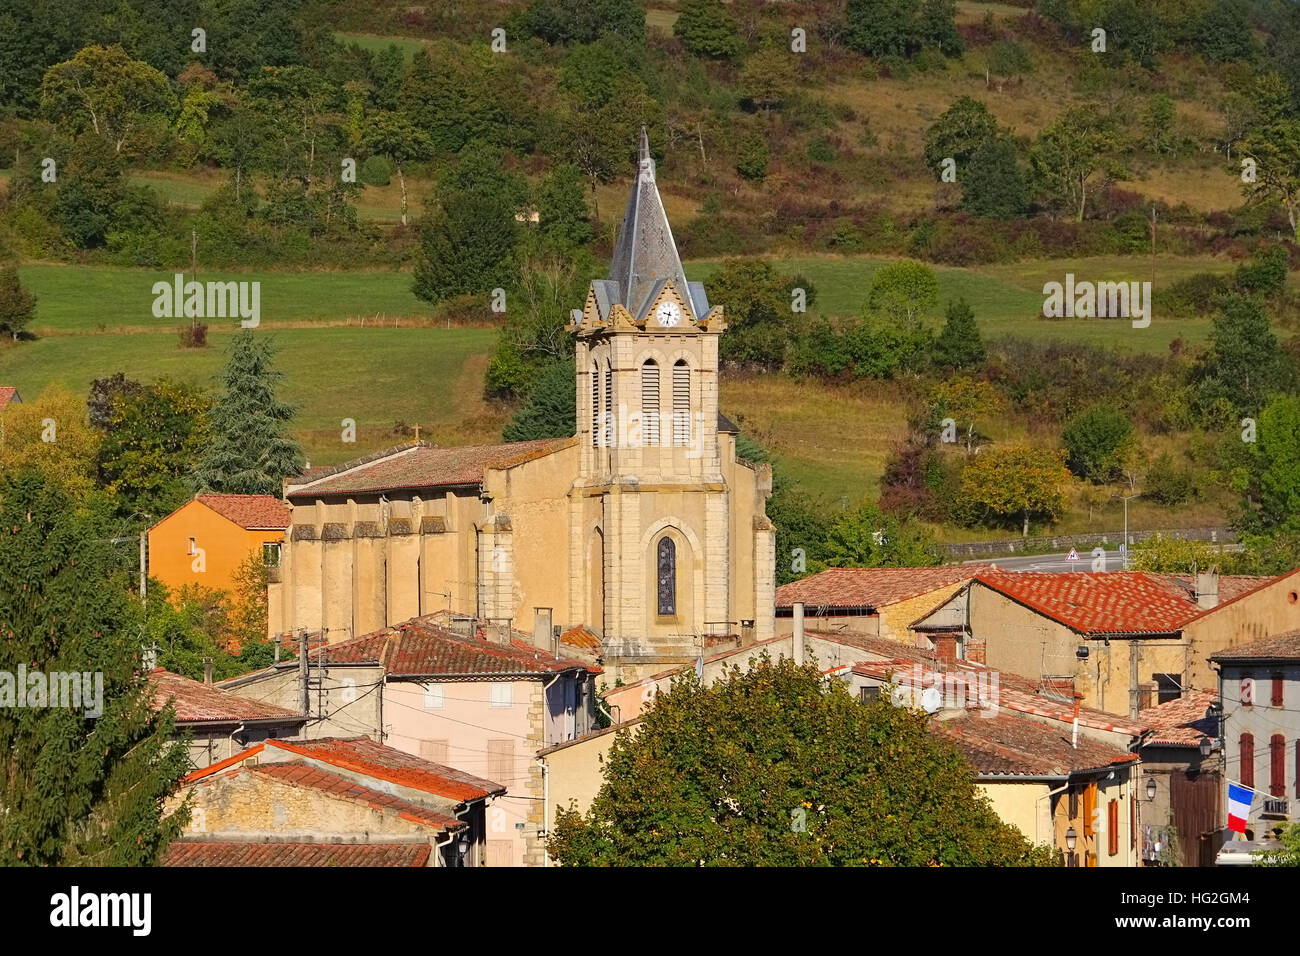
<point>645,253</point>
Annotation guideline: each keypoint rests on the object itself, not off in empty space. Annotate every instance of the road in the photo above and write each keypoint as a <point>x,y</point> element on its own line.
<point>1051,562</point>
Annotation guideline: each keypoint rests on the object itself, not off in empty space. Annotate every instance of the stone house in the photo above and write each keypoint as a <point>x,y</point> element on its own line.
<point>1182,818</point>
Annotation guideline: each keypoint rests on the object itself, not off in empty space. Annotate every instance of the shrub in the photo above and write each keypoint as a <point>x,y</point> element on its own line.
<point>1168,484</point>
<point>1097,442</point>
<point>376,171</point>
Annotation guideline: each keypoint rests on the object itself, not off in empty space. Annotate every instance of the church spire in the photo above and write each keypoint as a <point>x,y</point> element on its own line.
<point>645,252</point>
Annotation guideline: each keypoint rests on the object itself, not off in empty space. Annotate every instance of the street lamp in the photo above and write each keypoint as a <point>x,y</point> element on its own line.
<point>1070,839</point>
<point>1206,745</point>
<point>1126,499</point>
<point>1151,788</point>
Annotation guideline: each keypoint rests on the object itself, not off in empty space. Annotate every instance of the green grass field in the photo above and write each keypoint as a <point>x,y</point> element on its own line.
<point>87,299</point>
<point>375,44</point>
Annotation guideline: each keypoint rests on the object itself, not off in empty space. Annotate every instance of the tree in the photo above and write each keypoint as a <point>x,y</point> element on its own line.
<point>964,400</point>
<point>1278,450</point>
<point>1244,363</point>
<point>1287,852</point>
<point>17,305</point>
<point>49,434</point>
<point>867,538</point>
<point>1012,481</point>
<point>752,157</point>
<point>153,440</point>
<point>716,776</point>
<point>250,452</point>
<point>1097,443</point>
<point>393,135</point>
<point>584,21</point>
<point>905,290</point>
<point>959,131</point>
<point>902,27</point>
<point>551,410</point>
<point>467,246</point>
<point>1274,145</point>
<point>768,76</point>
<point>958,344</point>
<point>706,30</point>
<point>76,789</point>
<point>994,186</point>
<point>562,207</point>
<point>937,27</point>
<point>1075,155</point>
<point>1161,555</point>
<point>103,90</point>
<point>757,300</point>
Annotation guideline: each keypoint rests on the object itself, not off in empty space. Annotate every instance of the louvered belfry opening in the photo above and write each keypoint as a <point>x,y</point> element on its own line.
<point>595,405</point>
<point>609,408</point>
<point>650,403</point>
<point>681,403</point>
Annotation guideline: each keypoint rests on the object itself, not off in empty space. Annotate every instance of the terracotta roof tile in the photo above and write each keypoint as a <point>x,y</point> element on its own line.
<point>366,756</point>
<point>302,775</point>
<point>197,702</point>
<point>1118,602</point>
<point>581,638</point>
<point>1018,746</point>
<point>251,512</point>
<point>196,853</point>
<point>1281,647</point>
<point>417,465</point>
<point>1181,722</point>
<point>871,587</point>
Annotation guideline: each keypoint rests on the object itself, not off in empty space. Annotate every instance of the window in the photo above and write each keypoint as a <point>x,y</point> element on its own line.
<point>595,405</point>
<point>681,403</point>
<point>503,694</point>
<point>1112,827</point>
<point>666,566</point>
<point>501,760</point>
<point>1168,687</point>
<point>1247,752</point>
<point>1278,693</point>
<point>192,551</point>
<point>1277,765</point>
<point>1074,806</point>
<point>609,435</point>
<point>650,403</point>
<point>434,750</point>
<point>868,693</point>
<point>1089,810</point>
<point>433,696</point>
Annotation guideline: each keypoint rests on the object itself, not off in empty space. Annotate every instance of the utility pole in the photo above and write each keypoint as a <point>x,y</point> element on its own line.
<point>1126,500</point>
<point>1134,650</point>
<point>144,575</point>
<point>302,671</point>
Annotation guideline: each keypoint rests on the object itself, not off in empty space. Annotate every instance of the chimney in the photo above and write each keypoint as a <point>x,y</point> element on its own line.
<point>796,640</point>
<point>542,639</point>
<point>499,632</point>
<point>207,670</point>
<point>945,647</point>
<point>1207,589</point>
<point>975,651</point>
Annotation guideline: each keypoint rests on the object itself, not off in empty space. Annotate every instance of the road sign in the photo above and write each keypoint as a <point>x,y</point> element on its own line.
<point>1072,556</point>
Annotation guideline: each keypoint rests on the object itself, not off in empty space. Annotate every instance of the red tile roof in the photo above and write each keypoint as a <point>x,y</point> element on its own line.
<point>871,587</point>
<point>1279,647</point>
<point>222,853</point>
<point>417,465</point>
<point>197,702</point>
<point>1181,722</point>
<point>581,638</point>
<point>420,648</point>
<point>7,394</point>
<point>303,775</point>
<point>1101,603</point>
<point>366,756</point>
<point>1017,746</point>
<point>984,686</point>
<point>250,512</point>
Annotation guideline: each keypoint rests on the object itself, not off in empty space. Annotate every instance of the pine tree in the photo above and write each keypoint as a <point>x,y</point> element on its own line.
<point>994,185</point>
<point>958,344</point>
<point>17,305</point>
<point>75,790</point>
<point>550,411</point>
<point>706,29</point>
<point>251,452</point>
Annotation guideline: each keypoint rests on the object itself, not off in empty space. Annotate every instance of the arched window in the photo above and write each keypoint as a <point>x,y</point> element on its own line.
<point>650,403</point>
<point>666,568</point>
<point>595,405</point>
<point>681,403</point>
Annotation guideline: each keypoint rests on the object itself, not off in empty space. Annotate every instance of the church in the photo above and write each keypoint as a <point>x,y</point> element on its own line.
<point>643,533</point>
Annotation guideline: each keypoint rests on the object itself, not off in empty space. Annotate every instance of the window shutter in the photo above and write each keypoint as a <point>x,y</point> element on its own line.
<point>501,761</point>
<point>1132,820</point>
<point>650,403</point>
<point>609,408</point>
<point>1074,804</point>
<point>1112,827</point>
<point>681,404</point>
<point>595,406</point>
<point>1277,690</point>
<point>434,750</point>
<point>1089,808</point>
<point>1297,768</point>
<point>1277,769</point>
<point>1247,772</point>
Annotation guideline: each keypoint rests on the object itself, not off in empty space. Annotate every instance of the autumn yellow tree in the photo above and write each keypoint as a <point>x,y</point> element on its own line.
<point>1016,481</point>
<point>964,400</point>
<point>51,434</point>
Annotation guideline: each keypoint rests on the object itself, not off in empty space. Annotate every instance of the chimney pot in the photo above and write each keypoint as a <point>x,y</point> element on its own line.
<point>1207,589</point>
<point>797,640</point>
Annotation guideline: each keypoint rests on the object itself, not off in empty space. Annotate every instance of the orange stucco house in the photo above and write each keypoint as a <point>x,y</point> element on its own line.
<point>206,539</point>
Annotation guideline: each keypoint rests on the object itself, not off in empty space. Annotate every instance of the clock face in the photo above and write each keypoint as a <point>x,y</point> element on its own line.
<point>668,314</point>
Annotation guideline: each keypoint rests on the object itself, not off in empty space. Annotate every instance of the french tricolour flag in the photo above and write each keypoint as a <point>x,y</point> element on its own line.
<point>1239,799</point>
